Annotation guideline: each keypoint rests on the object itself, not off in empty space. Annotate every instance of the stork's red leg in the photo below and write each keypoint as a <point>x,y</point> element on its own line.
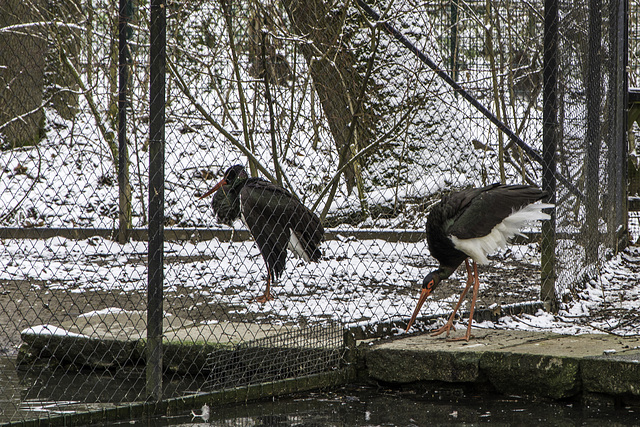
<point>449,325</point>
<point>267,293</point>
<point>476,286</point>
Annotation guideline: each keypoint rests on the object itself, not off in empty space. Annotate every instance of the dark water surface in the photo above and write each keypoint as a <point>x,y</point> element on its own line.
<point>22,399</point>
<point>368,406</point>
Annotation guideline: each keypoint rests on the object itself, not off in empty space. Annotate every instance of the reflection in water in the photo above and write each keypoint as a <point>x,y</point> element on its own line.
<point>32,392</point>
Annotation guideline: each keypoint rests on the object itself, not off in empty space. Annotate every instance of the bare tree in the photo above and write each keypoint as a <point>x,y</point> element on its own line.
<point>22,63</point>
<point>336,80</point>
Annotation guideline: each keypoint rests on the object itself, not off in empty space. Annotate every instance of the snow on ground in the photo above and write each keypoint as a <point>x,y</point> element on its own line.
<point>606,304</point>
<point>109,311</point>
<point>356,282</point>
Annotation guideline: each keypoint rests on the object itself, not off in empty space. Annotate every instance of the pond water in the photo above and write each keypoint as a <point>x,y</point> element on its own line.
<point>20,398</point>
<point>369,406</point>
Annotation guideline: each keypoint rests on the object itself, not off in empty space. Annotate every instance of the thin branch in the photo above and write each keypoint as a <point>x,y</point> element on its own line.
<point>356,156</point>
<point>494,80</point>
<point>33,183</point>
<point>243,102</point>
<point>352,126</point>
<point>267,94</point>
<point>185,90</point>
<point>106,134</point>
<point>298,111</point>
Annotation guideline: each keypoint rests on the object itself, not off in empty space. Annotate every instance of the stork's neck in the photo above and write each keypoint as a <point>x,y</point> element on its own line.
<point>238,183</point>
<point>444,271</point>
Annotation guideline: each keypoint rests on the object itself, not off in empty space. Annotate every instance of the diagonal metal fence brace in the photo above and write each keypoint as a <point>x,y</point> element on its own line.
<point>466,95</point>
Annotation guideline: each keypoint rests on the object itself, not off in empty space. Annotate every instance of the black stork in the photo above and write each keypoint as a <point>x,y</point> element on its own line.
<point>473,223</point>
<point>276,219</point>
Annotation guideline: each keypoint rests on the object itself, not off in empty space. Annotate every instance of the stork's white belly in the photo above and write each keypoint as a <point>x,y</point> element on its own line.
<point>244,221</point>
<point>478,248</point>
<point>296,246</point>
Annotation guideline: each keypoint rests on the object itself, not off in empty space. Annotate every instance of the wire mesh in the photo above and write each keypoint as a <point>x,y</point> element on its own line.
<point>286,354</point>
<point>323,102</point>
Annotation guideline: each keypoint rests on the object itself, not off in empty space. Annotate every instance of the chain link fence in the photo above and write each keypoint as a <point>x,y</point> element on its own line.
<point>327,102</point>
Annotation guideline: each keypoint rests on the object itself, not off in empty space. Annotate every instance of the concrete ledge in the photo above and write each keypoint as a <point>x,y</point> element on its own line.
<point>514,362</point>
<point>519,373</point>
<point>612,375</point>
<point>113,338</point>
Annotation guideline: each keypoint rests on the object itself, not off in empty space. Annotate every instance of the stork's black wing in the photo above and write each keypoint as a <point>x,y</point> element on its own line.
<point>474,212</point>
<point>272,213</point>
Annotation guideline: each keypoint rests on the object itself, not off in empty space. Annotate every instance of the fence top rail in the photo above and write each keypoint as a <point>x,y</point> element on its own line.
<point>226,234</point>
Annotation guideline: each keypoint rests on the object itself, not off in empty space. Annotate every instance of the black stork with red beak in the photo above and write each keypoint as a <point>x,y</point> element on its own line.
<point>275,218</point>
<point>473,223</point>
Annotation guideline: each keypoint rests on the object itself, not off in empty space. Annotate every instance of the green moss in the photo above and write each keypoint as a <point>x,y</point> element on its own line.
<point>546,376</point>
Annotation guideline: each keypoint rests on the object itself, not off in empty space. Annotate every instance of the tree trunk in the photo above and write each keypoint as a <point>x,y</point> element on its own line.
<point>22,63</point>
<point>335,78</point>
<point>61,88</point>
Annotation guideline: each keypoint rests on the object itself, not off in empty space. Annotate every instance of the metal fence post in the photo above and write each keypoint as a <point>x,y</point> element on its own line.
<point>549,143</point>
<point>619,95</point>
<point>156,199</point>
<point>593,138</point>
<point>124,61</point>
<point>454,40</point>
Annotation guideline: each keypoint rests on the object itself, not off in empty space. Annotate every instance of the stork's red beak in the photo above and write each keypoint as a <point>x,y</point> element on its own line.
<point>423,297</point>
<point>215,188</point>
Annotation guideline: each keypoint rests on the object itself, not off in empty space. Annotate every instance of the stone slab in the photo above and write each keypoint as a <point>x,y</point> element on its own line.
<point>580,346</point>
<point>514,362</point>
<point>558,367</point>
<point>426,358</point>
